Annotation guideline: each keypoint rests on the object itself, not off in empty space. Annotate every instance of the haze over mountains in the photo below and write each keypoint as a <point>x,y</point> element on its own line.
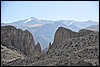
<point>93,27</point>
<point>44,30</point>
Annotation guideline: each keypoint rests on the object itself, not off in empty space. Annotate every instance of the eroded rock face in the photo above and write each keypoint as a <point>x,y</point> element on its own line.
<point>84,32</point>
<point>81,51</point>
<point>63,34</point>
<point>38,48</point>
<point>68,49</point>
<point>8,55</point>
<point>17,38</point>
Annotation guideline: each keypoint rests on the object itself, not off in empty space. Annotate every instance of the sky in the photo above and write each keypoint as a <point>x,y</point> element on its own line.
<point>49,10</point>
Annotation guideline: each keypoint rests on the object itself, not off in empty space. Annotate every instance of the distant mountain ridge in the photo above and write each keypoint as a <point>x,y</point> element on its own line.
<point>39,28</point>
<point>93,27</point>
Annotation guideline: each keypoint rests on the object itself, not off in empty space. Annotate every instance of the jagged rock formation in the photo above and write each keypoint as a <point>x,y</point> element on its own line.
<point>49,46</point>
<point>68,49</point>
<point>18,47</point>
<point>79,51</point>
<point>38,48</point>
<point>63,34</point>
<point>17,39</point>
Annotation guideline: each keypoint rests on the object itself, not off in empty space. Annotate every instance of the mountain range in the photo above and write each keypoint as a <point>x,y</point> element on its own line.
<point>93,27</point>
<point>44,30</point>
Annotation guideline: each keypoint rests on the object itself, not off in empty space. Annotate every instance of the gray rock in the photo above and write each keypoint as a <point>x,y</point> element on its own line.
<point>19,39</point>
<point>63,34</point>
<point>83,63</point>
<point>68,49</point>
<point>38,48</point>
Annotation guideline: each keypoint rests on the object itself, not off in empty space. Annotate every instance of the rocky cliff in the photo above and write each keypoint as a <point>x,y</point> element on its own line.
<point>80,49</point>
<point>63,34</point>
<point>68,49</point>
<point>17,39</point>
<point>38,48</point>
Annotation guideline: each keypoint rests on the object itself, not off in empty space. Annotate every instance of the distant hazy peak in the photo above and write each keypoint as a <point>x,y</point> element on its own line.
<point>34,18</point>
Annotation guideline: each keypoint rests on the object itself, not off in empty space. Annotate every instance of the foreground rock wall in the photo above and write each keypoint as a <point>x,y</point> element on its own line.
<point>17,39</point>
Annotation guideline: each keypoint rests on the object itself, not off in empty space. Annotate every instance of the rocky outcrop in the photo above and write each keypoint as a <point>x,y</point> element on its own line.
<point>38,48</point>
<point>68,49</point>
<point>49,46</point>
<point>8,55</point>
<point>81,51</point>
<point>84,32</point>
<point>63,34</point>
<point>17,39</point>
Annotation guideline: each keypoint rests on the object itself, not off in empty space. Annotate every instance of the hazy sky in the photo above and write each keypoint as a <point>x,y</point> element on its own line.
<point>50,10</point>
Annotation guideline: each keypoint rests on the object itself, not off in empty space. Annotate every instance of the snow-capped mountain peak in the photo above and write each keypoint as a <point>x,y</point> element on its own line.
<point>30,19</point>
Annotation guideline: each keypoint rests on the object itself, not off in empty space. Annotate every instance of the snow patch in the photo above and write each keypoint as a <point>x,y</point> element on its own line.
<point>28,20</point>
<point>71,23</point>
